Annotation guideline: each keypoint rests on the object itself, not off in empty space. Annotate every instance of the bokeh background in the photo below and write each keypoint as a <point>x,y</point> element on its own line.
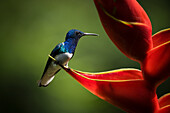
<point>30,29</point>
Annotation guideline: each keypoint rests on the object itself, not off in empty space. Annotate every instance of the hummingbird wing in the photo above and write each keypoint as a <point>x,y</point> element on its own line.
<point>50,70</point>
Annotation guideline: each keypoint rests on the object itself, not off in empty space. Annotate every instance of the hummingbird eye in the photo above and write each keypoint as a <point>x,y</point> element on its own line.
<point>77,33</point>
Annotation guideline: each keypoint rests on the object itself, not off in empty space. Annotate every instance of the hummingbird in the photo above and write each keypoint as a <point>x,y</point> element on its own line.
<point>62,54</point>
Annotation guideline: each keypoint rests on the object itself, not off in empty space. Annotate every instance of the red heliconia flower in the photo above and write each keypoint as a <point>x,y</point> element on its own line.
<point>132,90</point>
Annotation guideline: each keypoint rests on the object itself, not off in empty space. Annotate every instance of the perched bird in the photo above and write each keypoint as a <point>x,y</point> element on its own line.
<point>62,53</point>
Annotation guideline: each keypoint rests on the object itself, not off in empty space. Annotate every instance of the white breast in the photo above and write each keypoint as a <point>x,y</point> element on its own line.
<point>63,58</point>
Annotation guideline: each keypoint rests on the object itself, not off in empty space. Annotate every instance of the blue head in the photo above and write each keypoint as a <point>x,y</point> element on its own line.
<point>75,34</point>
<point>73,37</point>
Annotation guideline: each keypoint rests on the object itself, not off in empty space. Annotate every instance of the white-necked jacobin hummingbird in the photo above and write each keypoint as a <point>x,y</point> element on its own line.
<point>62,53</point>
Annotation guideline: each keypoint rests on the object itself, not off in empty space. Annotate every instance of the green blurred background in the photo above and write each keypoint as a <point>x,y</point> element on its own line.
<point>30,29</point>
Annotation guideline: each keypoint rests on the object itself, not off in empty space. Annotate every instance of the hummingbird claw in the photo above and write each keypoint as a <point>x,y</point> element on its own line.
<point>64,67</point>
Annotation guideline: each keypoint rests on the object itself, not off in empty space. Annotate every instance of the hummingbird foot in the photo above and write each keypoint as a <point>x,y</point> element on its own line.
<point>64,67</point>
<point>56,62</point>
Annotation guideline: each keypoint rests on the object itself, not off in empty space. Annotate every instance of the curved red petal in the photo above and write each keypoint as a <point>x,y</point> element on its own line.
<point>130,92</point>
<point>127,25</point>
<point>164,100</point>
<point>157,63</point>
<point>165,109</point>
<point>161,37</point>
<point>115,75</point>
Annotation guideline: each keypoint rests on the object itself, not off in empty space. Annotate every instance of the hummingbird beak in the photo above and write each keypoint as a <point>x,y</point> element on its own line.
<point>90,34</point>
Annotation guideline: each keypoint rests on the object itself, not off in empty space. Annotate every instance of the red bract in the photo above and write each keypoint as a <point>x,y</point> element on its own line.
<point>165,109</point>
<point>161,37</point>
<point>164,100</point>
<point>164,103</point>
<point>129,27</point>
<point>157,62</point>
<point>124,88</point>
